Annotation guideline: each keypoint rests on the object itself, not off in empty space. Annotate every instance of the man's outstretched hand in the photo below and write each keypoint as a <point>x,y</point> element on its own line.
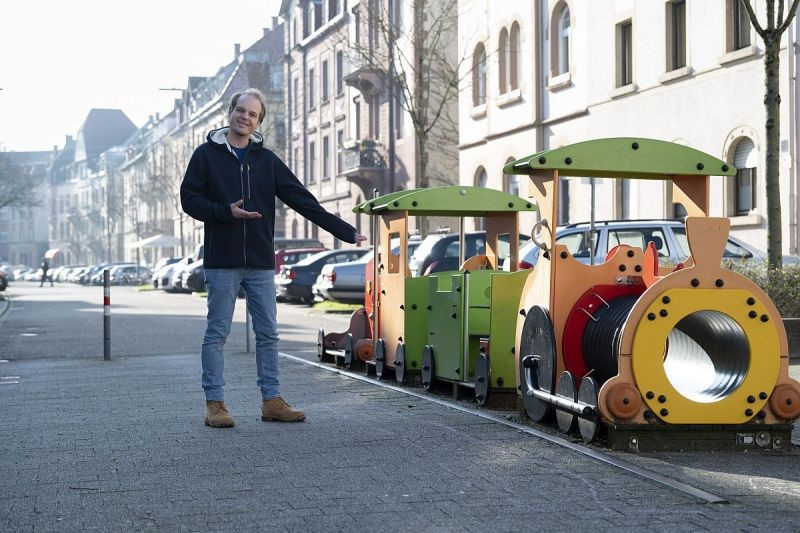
<point>360,238</point>
<point>238,212</point>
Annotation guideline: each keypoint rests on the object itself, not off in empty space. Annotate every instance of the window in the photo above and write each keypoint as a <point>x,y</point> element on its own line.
<point>276,79</point>
<point>502,61</point>
<point>373,24</point>
<point>738,24</point>
<point>316,5</point>
<point>511,181</point>
<point>311,103</point>
<point>397,14</point>
<point>333,8</point>
<point>374,118</point>
<point>326,158</point>
<point>745,160</point>
<point>339,72</point>
<point>296,98</point>
<point>481,180</point>
<point>479,76</point>
<point>513,58</point>
<point>357,113</point>
<point>624,53</point>
<point>339,153</point>
<point>399,116</point>
<point>676,34</point>
<point>325,81</point>
<point>561,37</point>
<point>312,162</point>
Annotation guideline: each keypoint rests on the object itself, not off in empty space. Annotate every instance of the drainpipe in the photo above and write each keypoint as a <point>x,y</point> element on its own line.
<point>538,72</point>
<point>792,71</point>
<point>392,103</point>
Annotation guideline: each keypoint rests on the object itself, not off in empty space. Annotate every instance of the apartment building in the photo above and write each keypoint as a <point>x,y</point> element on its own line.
<point>548,73</point>
<point>351,124</point>
<point>24,231</point>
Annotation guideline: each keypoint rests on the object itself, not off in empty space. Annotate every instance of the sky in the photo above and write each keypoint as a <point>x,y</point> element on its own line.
<point>61,58</point>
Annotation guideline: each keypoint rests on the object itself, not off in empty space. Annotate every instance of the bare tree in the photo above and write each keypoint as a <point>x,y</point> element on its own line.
<point>417,59</point>
<point>771,35</point>
<point>18,185</point>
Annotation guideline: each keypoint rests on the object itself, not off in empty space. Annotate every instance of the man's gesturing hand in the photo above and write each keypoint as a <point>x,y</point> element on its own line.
<point>238,212</point>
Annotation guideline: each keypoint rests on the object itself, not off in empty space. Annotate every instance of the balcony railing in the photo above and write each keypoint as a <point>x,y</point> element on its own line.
<point>358,156</point>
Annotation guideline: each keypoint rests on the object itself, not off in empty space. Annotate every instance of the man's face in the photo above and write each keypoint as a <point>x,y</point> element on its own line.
<point>244,117</point>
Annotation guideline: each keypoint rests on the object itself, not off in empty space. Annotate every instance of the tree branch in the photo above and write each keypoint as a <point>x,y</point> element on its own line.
<point>789,17</point>
<point>753,19</point>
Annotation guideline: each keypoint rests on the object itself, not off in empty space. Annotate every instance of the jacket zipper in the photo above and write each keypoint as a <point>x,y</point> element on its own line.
<point>244,221</point>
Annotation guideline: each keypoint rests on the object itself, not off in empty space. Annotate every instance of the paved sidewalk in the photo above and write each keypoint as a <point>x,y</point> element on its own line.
<point>120,445</point>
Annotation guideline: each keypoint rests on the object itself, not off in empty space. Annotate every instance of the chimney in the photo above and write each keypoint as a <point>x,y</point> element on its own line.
<point>274,22</point>
<point>158,116</point>
<point>237,49</point>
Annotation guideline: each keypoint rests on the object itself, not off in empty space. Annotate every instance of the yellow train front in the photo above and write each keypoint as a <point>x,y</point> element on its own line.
<point>694,356</point>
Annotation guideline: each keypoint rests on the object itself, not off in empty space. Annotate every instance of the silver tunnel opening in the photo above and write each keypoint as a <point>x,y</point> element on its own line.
<point>707,356</point>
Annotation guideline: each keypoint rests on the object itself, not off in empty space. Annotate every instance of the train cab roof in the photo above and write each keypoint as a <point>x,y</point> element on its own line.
<point>623,157</point>
<point>455,200</point>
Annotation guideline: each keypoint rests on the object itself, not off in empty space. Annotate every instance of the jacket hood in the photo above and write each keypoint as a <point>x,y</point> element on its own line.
<point>218,137</point>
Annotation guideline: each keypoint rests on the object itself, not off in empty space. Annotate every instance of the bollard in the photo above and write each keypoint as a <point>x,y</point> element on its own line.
<point>106,316</point>
<point>248,329</point>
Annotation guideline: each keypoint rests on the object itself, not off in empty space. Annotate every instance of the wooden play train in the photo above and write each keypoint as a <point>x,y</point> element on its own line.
<point>639,350</point>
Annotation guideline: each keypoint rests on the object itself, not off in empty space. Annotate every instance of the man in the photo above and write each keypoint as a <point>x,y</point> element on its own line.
<point>45,268</point>
<point>231,183</point>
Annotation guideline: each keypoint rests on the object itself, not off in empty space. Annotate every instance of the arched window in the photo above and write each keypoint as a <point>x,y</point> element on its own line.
<point>745,159</point>
<point>503,61</point>
<point>479,76</point>
<point>513,58</point>
<point>560,41</point>
<point>481,179</point>
<point>511,181</point>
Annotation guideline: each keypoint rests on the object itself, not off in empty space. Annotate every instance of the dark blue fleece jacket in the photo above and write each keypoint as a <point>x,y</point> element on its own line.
<point>215,179</point>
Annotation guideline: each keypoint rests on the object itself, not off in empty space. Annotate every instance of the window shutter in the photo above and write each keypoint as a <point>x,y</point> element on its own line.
<point>746,155</point>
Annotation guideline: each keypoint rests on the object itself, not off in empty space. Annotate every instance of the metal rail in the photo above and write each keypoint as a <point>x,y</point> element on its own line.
<point>579,448</point>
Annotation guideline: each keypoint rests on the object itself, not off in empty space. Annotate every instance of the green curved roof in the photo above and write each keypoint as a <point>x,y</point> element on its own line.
<point>446,201</point>
<point>624,157</point>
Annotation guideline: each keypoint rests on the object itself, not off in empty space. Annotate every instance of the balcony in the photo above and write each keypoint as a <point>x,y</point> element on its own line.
<point>362,163</point>
<point>367,79</point>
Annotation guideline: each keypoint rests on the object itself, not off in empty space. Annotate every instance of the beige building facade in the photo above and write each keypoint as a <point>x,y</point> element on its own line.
<point>554,72</point>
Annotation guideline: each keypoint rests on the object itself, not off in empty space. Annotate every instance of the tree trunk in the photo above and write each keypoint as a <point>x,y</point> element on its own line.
<point>772,103</point>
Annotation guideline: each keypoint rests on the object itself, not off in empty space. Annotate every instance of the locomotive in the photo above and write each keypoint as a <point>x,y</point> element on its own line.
<point>693,353</point>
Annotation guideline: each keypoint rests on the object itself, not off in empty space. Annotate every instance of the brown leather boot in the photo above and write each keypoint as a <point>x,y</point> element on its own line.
<point>217,415</point>
<point>278,409</point>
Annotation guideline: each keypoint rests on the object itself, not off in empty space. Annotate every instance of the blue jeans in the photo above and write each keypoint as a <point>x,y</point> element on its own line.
<point>223,286</point>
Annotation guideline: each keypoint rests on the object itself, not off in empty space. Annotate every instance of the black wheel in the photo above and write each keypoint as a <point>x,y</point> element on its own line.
<point>427,367</point>
<point>400,363</point>
<point>321,344</point>
<point>347,350</point>
<point>537,361</point>
<point>380,358</point>
<point>587,394</point>
<point>567,420</point>
<point>482,378</point>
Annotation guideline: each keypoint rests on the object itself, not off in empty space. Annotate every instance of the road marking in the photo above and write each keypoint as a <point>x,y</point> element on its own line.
<point>28,334</point>
<point>579,448</point>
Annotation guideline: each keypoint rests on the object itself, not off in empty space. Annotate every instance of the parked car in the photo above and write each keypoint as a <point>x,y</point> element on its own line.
<point>440,252</point>
<point>193,277</point>
<point>290,256</point>
<point>162,278</point>
<point>173,281</point>
<point>3,280</point>
<point>158,273</point>
<point>129,274</point>
<point>343,282</point>
<point>346,282</point>
<point>668,236</point>
<point>295,281</point>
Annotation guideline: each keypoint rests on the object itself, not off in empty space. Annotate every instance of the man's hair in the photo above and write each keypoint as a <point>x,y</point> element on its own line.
<point>258,95</point>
